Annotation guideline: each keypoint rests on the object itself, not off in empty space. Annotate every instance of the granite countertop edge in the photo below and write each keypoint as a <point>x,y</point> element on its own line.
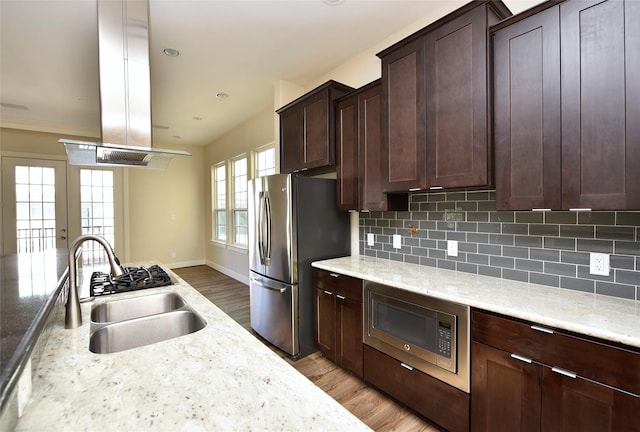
<point>218,378</point>
<point>604,317</point>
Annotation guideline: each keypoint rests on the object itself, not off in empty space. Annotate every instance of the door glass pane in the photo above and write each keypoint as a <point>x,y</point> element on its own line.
<point>35,219</point>
<point>96,212</point>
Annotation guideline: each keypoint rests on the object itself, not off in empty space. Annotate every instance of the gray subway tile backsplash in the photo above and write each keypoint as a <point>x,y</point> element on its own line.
<point>540,247</point>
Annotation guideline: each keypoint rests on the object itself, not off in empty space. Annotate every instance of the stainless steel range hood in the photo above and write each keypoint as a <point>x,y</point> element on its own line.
<point>125,92</point>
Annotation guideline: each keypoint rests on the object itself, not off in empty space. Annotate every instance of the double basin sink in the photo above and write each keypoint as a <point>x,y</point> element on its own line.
<point>119,325</point>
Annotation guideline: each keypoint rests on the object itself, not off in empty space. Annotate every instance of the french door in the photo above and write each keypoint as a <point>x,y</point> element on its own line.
<point>34,207</point>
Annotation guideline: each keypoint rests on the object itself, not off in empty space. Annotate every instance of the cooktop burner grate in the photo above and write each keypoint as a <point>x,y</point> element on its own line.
<point>134,278</point>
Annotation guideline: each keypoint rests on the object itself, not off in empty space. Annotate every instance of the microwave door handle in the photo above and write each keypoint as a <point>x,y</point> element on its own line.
<point>267,201</point>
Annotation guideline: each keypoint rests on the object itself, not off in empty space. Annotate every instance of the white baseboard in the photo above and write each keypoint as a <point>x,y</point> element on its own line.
<point>244,278</point>
<point>185,264</point>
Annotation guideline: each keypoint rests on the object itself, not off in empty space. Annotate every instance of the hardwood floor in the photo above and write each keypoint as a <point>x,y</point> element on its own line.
<point>371,406</point>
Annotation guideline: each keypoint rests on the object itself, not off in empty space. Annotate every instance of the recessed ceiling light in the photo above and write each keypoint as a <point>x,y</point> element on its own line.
<point>171,52</point>
<point>197,118</point>
<point>222,95</point>
<point>333,2</point>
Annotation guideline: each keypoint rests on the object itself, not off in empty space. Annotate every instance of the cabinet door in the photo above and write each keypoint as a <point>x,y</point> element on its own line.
<point>506,392</point>
<point>456,80</point>
<point>575,404</point>
<point>404,133</point>
<point>349,334</point>
<point>317,152</point>
<point>347,157</point>
<point>370,110</point>
<point>527,122</point>
<point>291,151</point>
<point>325,331</point>
<point>600,57</point>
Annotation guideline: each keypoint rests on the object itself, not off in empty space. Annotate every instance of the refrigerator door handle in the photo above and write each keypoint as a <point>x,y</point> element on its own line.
<point>264,285</point>
<point>267,206</point>
<point>260,227</point>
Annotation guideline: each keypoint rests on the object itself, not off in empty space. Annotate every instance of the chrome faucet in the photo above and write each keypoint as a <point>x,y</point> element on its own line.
<point>73,316</point>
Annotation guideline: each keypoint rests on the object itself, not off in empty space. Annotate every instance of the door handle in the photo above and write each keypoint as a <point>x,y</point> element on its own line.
<point>281,290</point>
<point>267,205</point>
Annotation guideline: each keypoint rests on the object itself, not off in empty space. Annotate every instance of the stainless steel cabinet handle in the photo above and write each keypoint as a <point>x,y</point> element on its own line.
<point>542,329</point>
<point>406,366</point>
<point>564,372</point>
<point>334,275</point>
<point>340,297</point>
<point>328,292</point>
<point>522,359</point>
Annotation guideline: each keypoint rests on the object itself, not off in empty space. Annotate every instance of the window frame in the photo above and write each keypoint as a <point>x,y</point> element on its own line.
<point>216,210</point>
<point>234,209</point>
<point>257,171</point>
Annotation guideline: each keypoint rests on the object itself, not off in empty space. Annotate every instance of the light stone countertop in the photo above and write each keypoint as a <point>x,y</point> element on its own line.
<point>219,378</point>
<point>605,317</point>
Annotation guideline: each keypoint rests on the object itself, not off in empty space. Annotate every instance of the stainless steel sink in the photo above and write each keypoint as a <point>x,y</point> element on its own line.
<point>136,307</point>
<point>147,330</point>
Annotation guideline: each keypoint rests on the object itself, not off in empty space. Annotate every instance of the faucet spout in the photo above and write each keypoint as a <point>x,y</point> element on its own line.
<point>73,317</point>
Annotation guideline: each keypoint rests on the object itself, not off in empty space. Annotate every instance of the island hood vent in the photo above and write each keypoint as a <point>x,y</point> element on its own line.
<point>125,92</point>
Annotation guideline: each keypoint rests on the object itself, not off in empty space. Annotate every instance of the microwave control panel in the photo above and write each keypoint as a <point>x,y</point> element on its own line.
<point>444,339</point>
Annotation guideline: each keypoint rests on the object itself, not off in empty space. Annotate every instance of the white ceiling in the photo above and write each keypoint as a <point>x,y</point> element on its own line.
<point>49,58</point>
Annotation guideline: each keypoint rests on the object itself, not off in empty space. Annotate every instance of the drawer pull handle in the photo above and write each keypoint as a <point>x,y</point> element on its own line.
<point>340,297</point>
<point>406,366</point>
<point>328,292</point>
<point>522,359</point>
<point>334,275</point>
<point>541,329</point>
<point>564,372</point>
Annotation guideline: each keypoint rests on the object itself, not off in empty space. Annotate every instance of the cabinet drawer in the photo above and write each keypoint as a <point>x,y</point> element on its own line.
<point>591,359</point>
<point>439,402</point>
<point>339,284</point>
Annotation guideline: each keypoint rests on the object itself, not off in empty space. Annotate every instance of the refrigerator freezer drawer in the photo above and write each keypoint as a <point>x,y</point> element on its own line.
<point>274,312</point>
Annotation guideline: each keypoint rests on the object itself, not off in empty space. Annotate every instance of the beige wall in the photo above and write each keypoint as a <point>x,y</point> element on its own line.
<point>163,210</point>
<point>166,211</point>
<point>257,132</point>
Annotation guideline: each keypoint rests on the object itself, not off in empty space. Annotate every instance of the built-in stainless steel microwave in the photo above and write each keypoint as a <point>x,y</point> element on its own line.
<point>423,332</point>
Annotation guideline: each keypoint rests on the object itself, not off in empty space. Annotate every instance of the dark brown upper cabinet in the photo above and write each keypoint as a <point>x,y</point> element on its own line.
<point>435,103</point>
<point>307,129</point>
<point>600,81</point>
<point>527,122</point>
<point>358,119</point>
<point>567,104</point>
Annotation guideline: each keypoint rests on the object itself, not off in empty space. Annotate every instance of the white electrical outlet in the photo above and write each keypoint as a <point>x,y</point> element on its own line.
<point>452,248</point>
<point>599,264</point>
<point>370,239</point>
<point>397,241</point>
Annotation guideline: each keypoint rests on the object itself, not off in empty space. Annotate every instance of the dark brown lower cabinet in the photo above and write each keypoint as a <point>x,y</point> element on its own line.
<point>338,319</point>
<point>437,401</point>
<point>534,389</point>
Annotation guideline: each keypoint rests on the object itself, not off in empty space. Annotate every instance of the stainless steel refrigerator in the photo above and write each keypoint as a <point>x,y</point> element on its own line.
<point>293,221</point>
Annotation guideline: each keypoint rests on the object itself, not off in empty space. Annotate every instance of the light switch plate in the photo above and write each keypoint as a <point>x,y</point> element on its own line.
<point>452,248</point>
<point>370,239</point>
<point>397,241</point>
<point>599,264</point>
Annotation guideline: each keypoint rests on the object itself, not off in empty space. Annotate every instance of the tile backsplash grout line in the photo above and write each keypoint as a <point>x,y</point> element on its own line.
<point>548,248</point>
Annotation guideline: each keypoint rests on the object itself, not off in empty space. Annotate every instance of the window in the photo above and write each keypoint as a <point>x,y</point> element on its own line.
<point>240,215</point>
<point>97,212</point>
<point>35,208</point>
<point>219,199</point>
<point>265,160</point>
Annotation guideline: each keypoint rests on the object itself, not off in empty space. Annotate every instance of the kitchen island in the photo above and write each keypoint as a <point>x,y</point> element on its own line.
<point>218,378</point>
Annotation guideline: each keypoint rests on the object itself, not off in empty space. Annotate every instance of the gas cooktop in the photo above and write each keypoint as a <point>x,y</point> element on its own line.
<point>134,278</point>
